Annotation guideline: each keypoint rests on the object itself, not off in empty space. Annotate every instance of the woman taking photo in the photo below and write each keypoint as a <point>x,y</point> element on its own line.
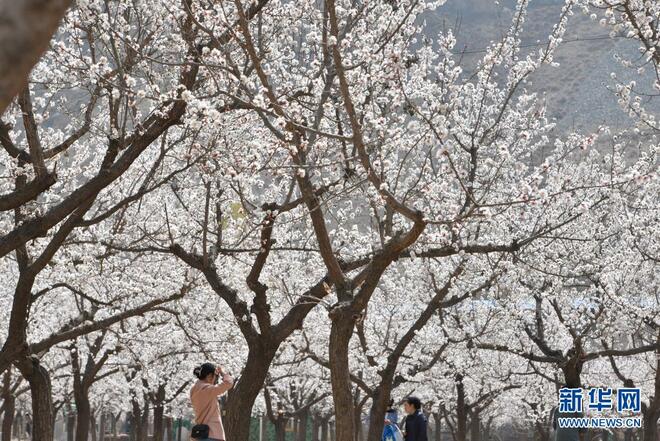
<point>204,397</point>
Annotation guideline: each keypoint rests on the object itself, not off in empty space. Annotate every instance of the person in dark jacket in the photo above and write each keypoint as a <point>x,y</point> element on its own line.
<point>415,423</point>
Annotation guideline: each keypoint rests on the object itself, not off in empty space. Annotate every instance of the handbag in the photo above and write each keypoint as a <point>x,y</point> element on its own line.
<point>200,431</point>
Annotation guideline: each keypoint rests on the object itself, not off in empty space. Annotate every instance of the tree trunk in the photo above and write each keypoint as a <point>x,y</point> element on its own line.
<point>70,424</point>
<point>543,431</point>
<point>324,430</point>
<point>359,430</point>
<point>138,418</point>
<point>144,423</point>
<point>650,422</point>
<point>379,402</point>
<point>475,427</point>
<point>43,417</point>
<point>8,417</point>
<point>315,428</point>
<point>93,428</point>
<point>280,429</point>
<point>18,421</point>
<point>652,413</point>
<point>159,426</point>
<point>168,429</point>
<point>461,410</point>
<point>340,336</point>
<point>10,407</point>
<point>572,370</point>
<point>83,412</point>
<point>179,429</point>
<point>437,418</point>
<point>302,426</point>
<point>102,426</point>
<point>242,396</point>
<point>628,435</point>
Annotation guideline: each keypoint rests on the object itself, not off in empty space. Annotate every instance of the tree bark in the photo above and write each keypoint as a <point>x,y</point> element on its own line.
<point>302,426</point>
<point>241,398</point>
<point>437,418</point>
<point>10,409</point>
<point>43,417</point>
<point>139,418</point>
<point>652,411</point>
<point>324,430</point>
<point>70,425</point>
<point>572,370</point>
<point>340,336</point>
<point>461,410</point>
<point>25,31</point>
<point>168,429</point>
<point>475,427</point>
<point>379,402</point>
<point>92,426</point>
<point>315,428</point>
<point>159,426</point>
<point>83,412</point>
<point>102,420</point>
<point>18,420</point>
<point>280,429</point>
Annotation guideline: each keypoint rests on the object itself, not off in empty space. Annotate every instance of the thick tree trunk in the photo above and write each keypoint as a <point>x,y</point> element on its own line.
<point>650,422</point>
<point>437,418</point>
<point>379,402</point>
<point>159,426</point>
<point>315,428</point>
<point>159,413</point>
<point>572,370</point>
<point>242,396</point>
<point>302,426</point>
<point>324,430</point>
<point>543,432</point>
<point>26,29</point>
<point>359,430</point>
<point>461,410</point>
<point>280,429</point>
<point>43,418</point>
<point>628,435</point>
<point>9,407</point>
<point>102,420</point>
<point>475,427</point>
<point>83,412</point>
<point>8,417</point>
<point>168,429</point>
<point>18,422</point>
<point>652,412</point>
<point>143,433</point>
<point>138,422</point>
<point>340,336</point>
<point>70,425</point>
